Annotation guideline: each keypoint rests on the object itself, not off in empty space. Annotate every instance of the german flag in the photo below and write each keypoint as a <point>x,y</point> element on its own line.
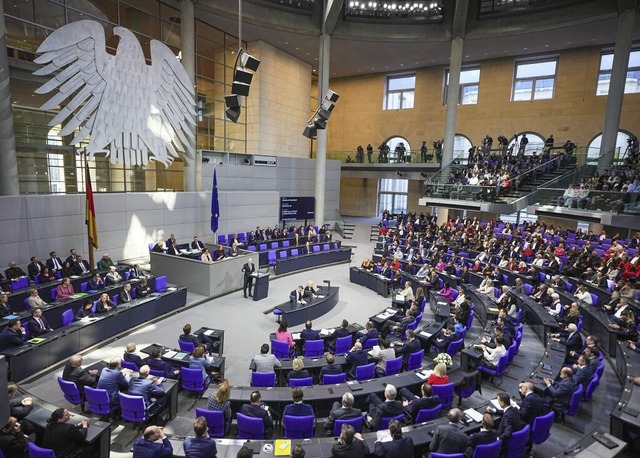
<point>90,211</point>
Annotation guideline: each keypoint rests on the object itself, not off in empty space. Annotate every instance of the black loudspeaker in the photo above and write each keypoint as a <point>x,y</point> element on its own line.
<point>233,113</point>
<point>331,95</point>
<point>238,88</point>
<point>232,101</point>
<point>250,62</point>
<point>320,123</point>
<point>242,76</point>
<point>310,131</point>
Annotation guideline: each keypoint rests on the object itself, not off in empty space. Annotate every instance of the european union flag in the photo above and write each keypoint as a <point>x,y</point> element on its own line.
<point>215,205</point>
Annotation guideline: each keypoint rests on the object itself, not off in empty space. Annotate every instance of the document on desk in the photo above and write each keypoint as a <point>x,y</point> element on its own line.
<point>181,355</point>
<point>495,405</point>
<point>295,336</point>
<point>474,415</point>
<point>425,334</point>
<point>425,374</point>
<point>170,354</point>
<point>209,332</point>
<point>326,332</point>
<point>399,297</point>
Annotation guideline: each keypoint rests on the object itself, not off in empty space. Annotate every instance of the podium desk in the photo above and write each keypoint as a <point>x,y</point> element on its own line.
<point>260,285</point>
<point>315,307</point>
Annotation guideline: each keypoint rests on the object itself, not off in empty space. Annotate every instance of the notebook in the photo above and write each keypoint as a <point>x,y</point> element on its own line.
<point>283,447</point>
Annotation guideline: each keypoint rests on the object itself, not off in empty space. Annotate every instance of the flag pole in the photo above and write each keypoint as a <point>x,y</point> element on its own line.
<point>86,181</point>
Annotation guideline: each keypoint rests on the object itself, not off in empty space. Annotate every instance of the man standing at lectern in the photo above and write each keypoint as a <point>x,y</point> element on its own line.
<point>248,269</point>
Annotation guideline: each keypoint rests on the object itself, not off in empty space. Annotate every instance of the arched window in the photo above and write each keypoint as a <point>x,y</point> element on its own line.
<point>536,143</point>
<point>593,148</point>
<point>55,162</point>
<point>393,142</point>
<point>461,146</point>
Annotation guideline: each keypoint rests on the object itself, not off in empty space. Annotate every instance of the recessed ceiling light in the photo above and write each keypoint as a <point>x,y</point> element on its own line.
<point>546,46</point>
<point>525,48</point>
<point>402,65</point>
<point>286,42</point>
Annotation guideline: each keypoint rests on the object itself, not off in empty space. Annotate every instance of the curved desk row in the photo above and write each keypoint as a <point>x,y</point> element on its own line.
<point>263,248</point>
<point>296,314</point>
<point>625,418</point>
<point>292,263</point>
<point>61,343</point>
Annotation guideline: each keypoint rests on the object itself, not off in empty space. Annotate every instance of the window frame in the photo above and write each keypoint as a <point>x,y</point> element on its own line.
<point>401,92</point>
<point>534,79</point>
<point>610,52</point>
<point>445,91</point>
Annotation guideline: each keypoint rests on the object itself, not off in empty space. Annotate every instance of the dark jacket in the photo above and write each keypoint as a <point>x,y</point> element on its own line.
<point>510,423</point>
<point>200,447</point>
<point>531,407</point>
<point>448,438</point>
<point>146,449</point>
<point>397,448</point>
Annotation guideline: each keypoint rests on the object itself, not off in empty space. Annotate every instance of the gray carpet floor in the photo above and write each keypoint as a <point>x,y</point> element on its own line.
<point>247,326</point>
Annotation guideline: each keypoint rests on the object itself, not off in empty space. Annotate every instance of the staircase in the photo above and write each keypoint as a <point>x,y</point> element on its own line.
<point>375,232</point>
<point>531,184</point>
<point>347,231</point>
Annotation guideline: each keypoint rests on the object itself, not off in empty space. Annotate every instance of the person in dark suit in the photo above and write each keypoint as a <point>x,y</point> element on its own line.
<point>330,368</point>
<point>486,435</point>
<point>54,263</point>
<point>297,295</point>
<point>80,267</point>
<point>197,340</point>
<point>445,337</point>
<point>200,446</point>
<point>309,290</point>
<point>350,444</point>
<point>136,272</point>
<point>356,357</point>
<point>197,245</point>
<point>96,283</point>
<point>171,240</point>
<point>38,324</point>
<point>125,296</point>
<point>173,249</point>
<point>73,372</point>
<point>342,411</point>
<point>378,409</point>
<point>248,269</point>
<point>257,409</point>
<point>411,345</point>
<point>63,438</point>
<point>582,374</point>
<point>156,363</point>
<point>34,268</point>
<point>398,447</point>
<point>4,306</point>
<point>150,389</point>
<point>413,404</point>
<point>449,438</point>
<point>13,441</point>
<point>573,341</point>
<point>142,288</point>
<point>113,380</point>
<point>113,276</point>
<point>12,336</point>
<point>148,447</point>
<point>370,332</point>
<point>219,254</point>
<point>532,405</point>
<point>131,356</point>
<point>308,333</point>
<point>298,408</point>
<point>511,421</point>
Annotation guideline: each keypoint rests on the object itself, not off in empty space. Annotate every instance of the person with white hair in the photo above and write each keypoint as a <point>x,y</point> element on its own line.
<point>556,307</point>
<point>378,409</point>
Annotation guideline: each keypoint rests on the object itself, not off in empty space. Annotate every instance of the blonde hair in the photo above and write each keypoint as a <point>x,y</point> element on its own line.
<point>131,347</point>
<point>298,364</point>
<point>440,370</point>
<point>224,392</point>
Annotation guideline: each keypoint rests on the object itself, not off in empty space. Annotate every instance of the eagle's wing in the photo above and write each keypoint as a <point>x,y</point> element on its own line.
<point>77,56</point>
<point>173,96</point>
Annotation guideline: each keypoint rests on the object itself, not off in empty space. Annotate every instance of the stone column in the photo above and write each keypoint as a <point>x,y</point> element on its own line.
<point>8,156</point>
<point>321,145</point>
<point>193,164</point>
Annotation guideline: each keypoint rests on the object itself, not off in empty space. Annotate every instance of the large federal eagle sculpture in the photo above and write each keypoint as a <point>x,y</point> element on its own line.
<point>118,104</point>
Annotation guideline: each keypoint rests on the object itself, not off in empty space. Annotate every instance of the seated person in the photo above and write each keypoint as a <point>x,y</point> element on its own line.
<point>350,444</point>
<point>104,304</point>
<point>142,288</point>
<point>198,360</point>
<point>158,247</point>
<point>105,262</point>
<point>582,373</point>
<point>14,272</point>
<point>148,446</point>
<point>330,368</point>
<point>64,289</point>
<point>150,389</point>
<point>413,403</point>
<point>34,300</point>
<point>560,392</point>
<point>47,275</point>
<point>80,266</point>
<point>4,306</point>
<point>266,361</point>
<point>369,332</point>
<point>298,408</point>
<point>308,333</point>
<point>112,276</point>
<point>398,446</point>
<point>409,346</point>
<point>156,363</point>
<point>443,339</point>
<point>447,292</point>
<point>125,295</point>
<point>34,268</point>
<point>113,379</point>
<point>298,370</point>
<point>18,408</point>
<point>439,376</point>
<point>131,356</point>
<point>73,372</point>
<point>382,356</point>
<point>65,439</point>
<point>219,401</point>
<point>309,290</point>
<point>342,411</point>
<point>257,409</point>
<point>378,409</point>
<point>38,324</point>
<point>206,256</point>
<point>136,272</point>
<point>86,311</point>
<point>398,328</point>
<point>13,442</point>
<point>219,254</point>
<point>486,435</point>
<point>96,283</point>
<point>356,357</point>
<point>449,438</point>
<point>283,335</point>
<point>297,295</point>
<point>201,445</point>
<point>199,339</point>
<point>12,336</point>
<point>197,245</point>
<point>491,356</point>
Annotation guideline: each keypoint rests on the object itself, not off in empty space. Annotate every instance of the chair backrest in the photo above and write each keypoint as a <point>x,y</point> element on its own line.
<point>528,288</point>
<point>574,402</point>
<point>262,246</point>
<point>70,391</point>
<point>294,251</point>
<point>283,254</point>
<point>67,317</point>
<point>342,345</point>
<point>370,343</point>
<point>454,347</point>
<point>251,248</point>
<point>263,379</point>
<point>215,421</point>
<point>366,372</point>
<point>26,304</point>
<point>446,455</point>
<point>428,414</point>
<point>285,243</point>
<point>298,427</point>
<point>541,429</point>
<point>355,422</point>
<point>384,421</point>
<point>394,366</point>
<point>591,387</point>
<point>600,369</point>
<point>271,256</point>
<point>186,346</point>
<point>192,380</point>
<point>313,348</point>
<point>160,283</point>
<point>250,427</point>
<point>511,352</point>
<point>488,450</point>
<point>518,341</point>
<point>445,392</point>
<point>133,408</point>
<point>518,443</point>
<point>39,452</point>
<point>315,248</point>
<point>280,349</point>
<point>472,314</point>
<point>325,247</point>
<point>594,299</point>
<point>98,400</point>
<point>330,379</point>
<point>415,360</point>
<point>115,298</point>
<point>129,365</point>
<point>304,381</point>
<point>83,286</point>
